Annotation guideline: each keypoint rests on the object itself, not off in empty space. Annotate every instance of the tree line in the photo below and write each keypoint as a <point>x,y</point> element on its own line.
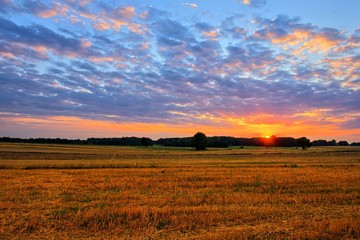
<point>123,141</point>
<point>212,142</point>
<point>200,141</point>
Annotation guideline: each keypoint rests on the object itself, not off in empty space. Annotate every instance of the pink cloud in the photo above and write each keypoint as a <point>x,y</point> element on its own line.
<point>211,34</point>
<point>88,15</point>
<point>57,9</point>
<point>345,69</point>
<point>6,54</point>
<point>137,28</point>
<point>101,25</point>
<point>126,12</point>
<point>85,43</point>
<point>84,2</point>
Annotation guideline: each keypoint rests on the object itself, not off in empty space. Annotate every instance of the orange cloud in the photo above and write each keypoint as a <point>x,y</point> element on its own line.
<point>101,25</point>
<point>319,43</point>
<point>301,40</point>
<point>106,23</point>
<point>80,127</point>
<point>347,47</point>
<point>211,34</point>
<point>76,127</point>
<point>127,12</point>
<point>136,28</point>
<point>121,17</point>
<point>117,24</point>
<point>249,67</point>
<point>345,69</point>
<point>104,59</point>
<point>85,43</point>
<point>40,51</point>
<point>48,13</point>
<point>88,15</point>
<point>58,9</point>
<point>297,37</point>
<point>6,54</point>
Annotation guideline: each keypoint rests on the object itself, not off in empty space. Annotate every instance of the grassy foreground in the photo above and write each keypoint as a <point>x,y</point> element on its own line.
<point>98,192</point>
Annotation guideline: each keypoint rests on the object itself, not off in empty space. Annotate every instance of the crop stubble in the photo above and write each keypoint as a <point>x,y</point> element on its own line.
<point>156,193</point>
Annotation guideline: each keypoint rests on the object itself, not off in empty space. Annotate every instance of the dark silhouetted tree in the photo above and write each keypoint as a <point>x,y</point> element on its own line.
<point>303,142</point>
<point>199,141</point>
<point>343,143</point>
<point>146,142</point>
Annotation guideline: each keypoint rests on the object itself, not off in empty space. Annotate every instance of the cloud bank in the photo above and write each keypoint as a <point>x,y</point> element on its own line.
<point>130,64</point>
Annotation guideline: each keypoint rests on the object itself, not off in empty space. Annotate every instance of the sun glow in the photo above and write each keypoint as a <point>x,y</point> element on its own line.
<point>76,127</point>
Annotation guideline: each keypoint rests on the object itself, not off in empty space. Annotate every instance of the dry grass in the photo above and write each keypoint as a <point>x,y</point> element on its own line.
<point>162,193</point>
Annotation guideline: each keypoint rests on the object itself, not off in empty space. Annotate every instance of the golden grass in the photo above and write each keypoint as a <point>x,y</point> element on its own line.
<point>160,193</point>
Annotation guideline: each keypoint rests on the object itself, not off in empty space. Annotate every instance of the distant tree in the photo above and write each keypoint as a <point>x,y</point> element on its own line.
<point>218,142</point>
<point>146,142</point>
<point>343,143</point>
<point>303,142</point>
<point>199,141</point>
<point>320,142</point>
<point>285,142</point>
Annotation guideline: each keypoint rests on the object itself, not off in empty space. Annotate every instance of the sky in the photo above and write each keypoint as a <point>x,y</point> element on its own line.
<point>157,68</point>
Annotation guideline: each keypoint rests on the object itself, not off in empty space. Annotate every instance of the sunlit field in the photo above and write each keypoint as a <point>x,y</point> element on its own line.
<point>108,192</point>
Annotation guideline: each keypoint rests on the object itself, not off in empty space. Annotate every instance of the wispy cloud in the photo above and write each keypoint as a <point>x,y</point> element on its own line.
<point>193,5</point>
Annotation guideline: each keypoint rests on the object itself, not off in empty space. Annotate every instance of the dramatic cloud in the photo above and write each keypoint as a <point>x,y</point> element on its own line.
<point>121,66</point>
<point>289,34</point>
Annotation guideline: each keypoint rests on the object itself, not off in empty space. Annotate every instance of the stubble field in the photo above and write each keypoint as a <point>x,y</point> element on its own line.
<point>101,192</point>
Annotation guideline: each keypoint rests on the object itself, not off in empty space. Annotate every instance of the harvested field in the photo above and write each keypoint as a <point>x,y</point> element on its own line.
<point>91,192</point>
